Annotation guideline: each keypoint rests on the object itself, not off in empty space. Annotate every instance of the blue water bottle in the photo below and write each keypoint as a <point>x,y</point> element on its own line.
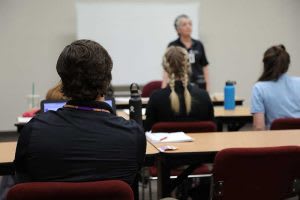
<point>229,95</point>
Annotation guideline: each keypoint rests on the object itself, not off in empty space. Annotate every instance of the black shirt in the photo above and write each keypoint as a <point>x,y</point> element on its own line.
<point>159,106</point>
<point>79,145</point>
<point>197,49</point>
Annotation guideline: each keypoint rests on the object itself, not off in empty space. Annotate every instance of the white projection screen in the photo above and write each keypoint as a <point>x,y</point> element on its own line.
<point>135,34</point>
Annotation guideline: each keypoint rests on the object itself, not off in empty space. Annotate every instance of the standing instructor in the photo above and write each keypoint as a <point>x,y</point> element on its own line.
<point>195,48</point>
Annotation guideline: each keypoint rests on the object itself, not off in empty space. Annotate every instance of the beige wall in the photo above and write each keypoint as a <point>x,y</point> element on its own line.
<point>32,34</point>
<point>235,34</point>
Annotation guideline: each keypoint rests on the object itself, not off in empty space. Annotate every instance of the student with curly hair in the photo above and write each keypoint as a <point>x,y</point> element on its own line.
<point>179,101</point>
<point>83,141</point>
<point>276,94</point>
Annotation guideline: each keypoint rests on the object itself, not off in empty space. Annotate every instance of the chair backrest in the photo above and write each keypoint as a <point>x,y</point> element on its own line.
<point>256,173</point>
<point>150,87</point>
<point>285,123</point>
<point>187,127</point>
<point>110,189</point>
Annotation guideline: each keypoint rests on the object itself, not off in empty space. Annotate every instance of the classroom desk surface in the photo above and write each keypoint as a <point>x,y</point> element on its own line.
<point>8,150</point>
<point>234,119</point>
<point>219,111</point>
<point>123,102</point>
<point>214,142</point>
<point>239,111</point>
<point>206,145</point>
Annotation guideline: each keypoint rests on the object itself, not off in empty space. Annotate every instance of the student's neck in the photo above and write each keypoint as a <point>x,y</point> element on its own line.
<point>100,98</point>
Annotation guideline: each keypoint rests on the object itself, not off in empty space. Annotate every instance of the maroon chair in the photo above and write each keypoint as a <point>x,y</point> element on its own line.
<point>256,173</point>
<point>285,123</point>
<point>109,189</point>
<point>150,87</point>
<point>187,127</point>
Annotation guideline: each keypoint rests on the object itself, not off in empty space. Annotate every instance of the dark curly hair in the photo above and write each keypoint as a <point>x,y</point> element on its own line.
<point>276,62</point>
<point>84,67</point>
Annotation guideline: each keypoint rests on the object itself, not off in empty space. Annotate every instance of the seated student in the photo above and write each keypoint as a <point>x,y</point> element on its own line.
<point>179,101</point>
<point>276,94</point>
<point>55,93</point>
<point>83,141</point>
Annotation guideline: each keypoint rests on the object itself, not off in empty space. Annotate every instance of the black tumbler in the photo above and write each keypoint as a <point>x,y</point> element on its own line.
<point>135,104</point>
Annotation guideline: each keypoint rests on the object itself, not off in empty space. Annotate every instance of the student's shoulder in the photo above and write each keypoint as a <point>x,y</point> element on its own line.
<point>261,85</point>
<point>199,94</point>
<point>160,93</point>
<point>295,79</point>
<point>130,125</point>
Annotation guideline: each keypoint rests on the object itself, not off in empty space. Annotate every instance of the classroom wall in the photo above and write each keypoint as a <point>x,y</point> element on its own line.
<point>235,34</point>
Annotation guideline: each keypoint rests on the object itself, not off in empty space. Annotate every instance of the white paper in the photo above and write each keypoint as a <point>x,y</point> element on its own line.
<point>168,137</point>
<point>23,119</point>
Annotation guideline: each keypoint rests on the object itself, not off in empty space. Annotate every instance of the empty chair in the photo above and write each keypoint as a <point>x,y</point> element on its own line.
<point>269,173</point>
<point>187,127</point>
<point>285,123</point>
<point>150,87</point>
<point>108,190</point>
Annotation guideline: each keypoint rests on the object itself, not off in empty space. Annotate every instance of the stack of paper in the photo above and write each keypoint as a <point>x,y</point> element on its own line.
<point>168,137</point>
<point>23,119</point>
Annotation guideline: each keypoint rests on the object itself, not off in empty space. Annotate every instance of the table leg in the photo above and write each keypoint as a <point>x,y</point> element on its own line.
<point>163,179</point>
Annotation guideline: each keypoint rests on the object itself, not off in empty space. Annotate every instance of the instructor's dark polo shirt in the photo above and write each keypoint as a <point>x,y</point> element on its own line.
<point>200,58</point>
<point>80,145</point>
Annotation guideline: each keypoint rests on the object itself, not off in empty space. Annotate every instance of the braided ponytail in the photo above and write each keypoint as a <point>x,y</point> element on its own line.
<point>187,95</point>
<point>173,96</point>
<point>176,64</point>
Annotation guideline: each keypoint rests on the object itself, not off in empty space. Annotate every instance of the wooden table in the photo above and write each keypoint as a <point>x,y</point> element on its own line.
<point>206,145</point>
<point>151,153</point>
<point>234,119</point>
<point>123,102</point>
<point>7,156</point>
<point>8,150</point>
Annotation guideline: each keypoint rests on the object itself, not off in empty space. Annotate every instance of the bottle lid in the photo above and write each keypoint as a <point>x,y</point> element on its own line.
<point>134,88</point>
<point>230,82</point>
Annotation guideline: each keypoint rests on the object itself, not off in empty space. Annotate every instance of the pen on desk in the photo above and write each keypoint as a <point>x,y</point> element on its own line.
<point>163,138</point>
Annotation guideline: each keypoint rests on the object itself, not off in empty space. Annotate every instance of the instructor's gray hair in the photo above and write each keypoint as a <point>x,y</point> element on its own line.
<point>177,20</point>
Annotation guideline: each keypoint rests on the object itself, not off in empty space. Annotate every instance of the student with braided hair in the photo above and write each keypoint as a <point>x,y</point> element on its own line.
<point>179,101</point>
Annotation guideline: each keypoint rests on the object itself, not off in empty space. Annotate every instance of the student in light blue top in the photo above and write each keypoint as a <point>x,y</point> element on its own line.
<point>276,94</point>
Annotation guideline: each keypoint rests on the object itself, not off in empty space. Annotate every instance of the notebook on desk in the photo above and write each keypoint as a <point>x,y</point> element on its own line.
<point>54,105</point>
<point>168,137</point>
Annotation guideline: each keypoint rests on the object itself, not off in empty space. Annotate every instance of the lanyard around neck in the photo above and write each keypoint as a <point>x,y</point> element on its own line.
<point>86,108</point>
